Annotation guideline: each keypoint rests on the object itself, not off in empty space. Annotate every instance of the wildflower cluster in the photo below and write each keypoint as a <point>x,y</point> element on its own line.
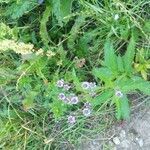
<point>90,87</point>
<point>68,97</point>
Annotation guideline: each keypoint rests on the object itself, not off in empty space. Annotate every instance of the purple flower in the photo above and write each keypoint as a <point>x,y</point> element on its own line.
<point>60,83</point>
<point>61,96</point>
<point>71,119</point>
<point>86,112</point>
<point>74,100</point>
<point>67,87</point>
<point>118,93</point>
<point>85,85</point>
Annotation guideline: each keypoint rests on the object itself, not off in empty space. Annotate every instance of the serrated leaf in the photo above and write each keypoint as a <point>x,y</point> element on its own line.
<point>80,21</point>
<point>129,55</point>
<point>66,6</point>
<point>104,74</point>
<point>61,8</point>
<point>135,83</point>
<point>120,64</point>
<point>118,108</point>
<point>109,56</point>
<point>43,25</point>
<point>103,97</point>
<point>125,109</point>
<point>18,9</point>
<point>122,108</point>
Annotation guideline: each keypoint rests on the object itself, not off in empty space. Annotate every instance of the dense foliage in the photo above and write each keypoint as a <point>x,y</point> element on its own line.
<point>68,66</point>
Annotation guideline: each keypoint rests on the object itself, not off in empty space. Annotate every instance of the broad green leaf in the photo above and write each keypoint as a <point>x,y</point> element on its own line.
<point>122,108</point>
<point>103,97</point>
<point>129,55</point>
<point>104,74</point>
<point>61,9</point>
<point>79,22</point>
<point>18,9</point>
<point>76,80</point>
<point>109,56</point>
<point>43,25</point>
<point>66,6</point>
<point>118,108</point>
<point>120,64</point>
<point>125,109</point>
<point>136,83</point>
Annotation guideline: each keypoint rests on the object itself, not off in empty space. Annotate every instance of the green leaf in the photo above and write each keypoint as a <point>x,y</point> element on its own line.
<point>120,64</point>
<point>61,9</point>
<point>75,79</point>
<point>122,108</point>
<point>118,108</point>
<point>18,9</point>
<point>136,83</point>
<point>129,55</point>
<point>109,56</point>
<point>66,6</point>
<point>103,97</point>
<point>104,74</point>
<point>43,25</point>
<point>57,11</point>
<point>80,21</point>
<point>125,109</point>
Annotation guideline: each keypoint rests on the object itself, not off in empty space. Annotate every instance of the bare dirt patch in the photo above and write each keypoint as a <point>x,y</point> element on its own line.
<point>131,135</point>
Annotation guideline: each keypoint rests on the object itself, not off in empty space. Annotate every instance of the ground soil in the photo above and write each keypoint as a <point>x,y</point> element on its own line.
<point>131,135</point>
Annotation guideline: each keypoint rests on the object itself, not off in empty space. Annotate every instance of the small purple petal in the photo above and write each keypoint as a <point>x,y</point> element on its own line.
<point>74,100</point>
<point>71,119</point>
<point>60,83</point>
<point>85,85</point>
<point>119,93</point>
<point>61,96</point>
<point>86,112</point>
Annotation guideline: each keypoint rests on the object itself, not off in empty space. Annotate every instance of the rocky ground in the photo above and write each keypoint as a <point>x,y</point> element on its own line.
<point>131,135</point>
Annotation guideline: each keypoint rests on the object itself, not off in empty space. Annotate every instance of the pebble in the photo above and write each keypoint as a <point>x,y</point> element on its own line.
<point>140,142</point>
<point>125,143</point>
<point>122,134</point>
<point>116,140</point>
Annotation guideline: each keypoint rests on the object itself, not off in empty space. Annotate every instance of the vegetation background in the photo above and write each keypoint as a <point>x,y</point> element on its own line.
<point>106,42</point>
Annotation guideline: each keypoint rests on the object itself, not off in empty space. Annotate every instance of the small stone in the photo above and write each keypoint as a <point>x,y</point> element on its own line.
<point>116,140</point>
<point>122,134</point>
<point>140,142</point>
<point>125,143</point>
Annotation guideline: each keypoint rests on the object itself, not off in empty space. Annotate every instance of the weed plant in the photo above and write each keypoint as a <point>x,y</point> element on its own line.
<point>67,68</point>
